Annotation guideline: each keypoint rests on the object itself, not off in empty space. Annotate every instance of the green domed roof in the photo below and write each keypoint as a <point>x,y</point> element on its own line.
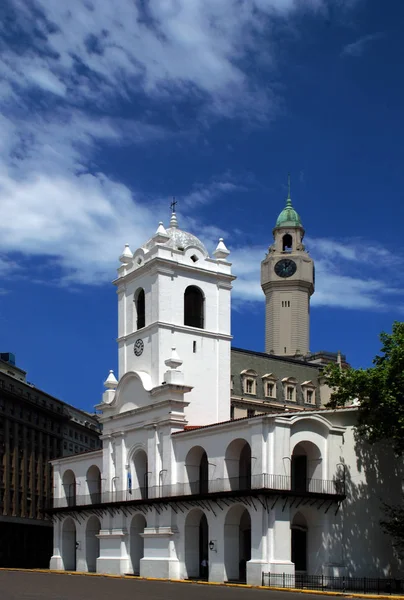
<point>288,217</point>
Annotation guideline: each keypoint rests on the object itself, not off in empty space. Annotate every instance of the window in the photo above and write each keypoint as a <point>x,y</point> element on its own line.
<point>194,347</point>
<point>287,243</point>
<point>289,389</point>
<point>140,302</point>
<point>269,385</point>
<point>309,392</point>
<point>232,413</point>
<point>193,307</point>
<point>250,412</point>
<point>249,381</point>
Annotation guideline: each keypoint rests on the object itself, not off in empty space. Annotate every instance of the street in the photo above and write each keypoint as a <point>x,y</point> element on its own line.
<point>17,585</point>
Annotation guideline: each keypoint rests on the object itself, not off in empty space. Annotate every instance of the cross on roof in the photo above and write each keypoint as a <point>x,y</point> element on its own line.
<point>173,204</point>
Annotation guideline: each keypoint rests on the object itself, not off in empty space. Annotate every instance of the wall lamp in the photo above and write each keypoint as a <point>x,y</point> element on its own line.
<point>212,546</point>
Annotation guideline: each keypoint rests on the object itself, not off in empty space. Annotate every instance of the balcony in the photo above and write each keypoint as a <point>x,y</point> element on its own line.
<point>263,484</point>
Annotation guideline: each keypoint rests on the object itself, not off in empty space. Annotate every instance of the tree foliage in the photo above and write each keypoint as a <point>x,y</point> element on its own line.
<point>379,390</point>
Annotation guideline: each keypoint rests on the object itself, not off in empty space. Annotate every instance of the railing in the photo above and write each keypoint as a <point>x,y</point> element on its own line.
<point>363,585</point>
<point>263,481</point>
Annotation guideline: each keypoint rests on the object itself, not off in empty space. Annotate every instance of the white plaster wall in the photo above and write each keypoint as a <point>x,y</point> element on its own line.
<point>164,287</point>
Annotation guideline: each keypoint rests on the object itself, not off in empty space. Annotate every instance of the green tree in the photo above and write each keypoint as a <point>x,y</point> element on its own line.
<point>380,392</point>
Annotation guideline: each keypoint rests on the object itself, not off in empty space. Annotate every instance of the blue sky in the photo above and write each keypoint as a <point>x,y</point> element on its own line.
<point>107,109</point>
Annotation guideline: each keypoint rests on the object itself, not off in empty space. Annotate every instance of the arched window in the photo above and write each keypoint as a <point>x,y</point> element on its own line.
<point>287,243</point>
<point>140,308</point>
<point>194,307</point>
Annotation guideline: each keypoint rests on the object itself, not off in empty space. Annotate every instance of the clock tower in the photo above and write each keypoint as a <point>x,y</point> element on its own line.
<point>287,280</point>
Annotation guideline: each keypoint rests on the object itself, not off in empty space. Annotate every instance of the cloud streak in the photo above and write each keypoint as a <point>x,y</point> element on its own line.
<point>347,275</point>
<point>358,47</point>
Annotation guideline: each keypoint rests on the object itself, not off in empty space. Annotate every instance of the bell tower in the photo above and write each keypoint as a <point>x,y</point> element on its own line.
<point>287,280</point>
<point>172,294</point>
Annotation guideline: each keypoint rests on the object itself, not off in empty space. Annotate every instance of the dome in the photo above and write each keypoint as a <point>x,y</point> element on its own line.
<point>178,239</point>
<point>288,217</point>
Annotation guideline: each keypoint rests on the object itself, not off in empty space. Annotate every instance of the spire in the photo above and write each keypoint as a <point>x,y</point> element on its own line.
<point>288,199</point>
<point>288,217</point>
<point>173,220</point>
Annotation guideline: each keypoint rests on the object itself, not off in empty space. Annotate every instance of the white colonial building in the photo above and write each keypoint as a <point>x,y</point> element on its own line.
<point>180,489</point>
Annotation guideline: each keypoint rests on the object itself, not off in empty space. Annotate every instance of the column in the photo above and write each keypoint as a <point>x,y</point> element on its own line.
<point>160,557</point>
<point>279,542</point>
<point>259,558</point>
<point>113,557</point>
<point>56,562</point>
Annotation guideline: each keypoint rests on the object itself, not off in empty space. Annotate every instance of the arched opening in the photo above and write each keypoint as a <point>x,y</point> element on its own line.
<point>237,543</point>
<point>194,307</point>
<point>140,303</point>
<point>238,464</point>
<point>306,468</point>
<point>136,549</point>
<point>197,545</point>
<point>287,243</point>
<point>69,487</point>
<point>197,469</point>
<point>93,478</point>
<point>141,479</point>
<point>92,543</point>
<point>299,542</point>
<point>69,545</point>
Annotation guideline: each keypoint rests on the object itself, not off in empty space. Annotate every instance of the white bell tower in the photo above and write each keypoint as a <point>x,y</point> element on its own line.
<point>171,294</point>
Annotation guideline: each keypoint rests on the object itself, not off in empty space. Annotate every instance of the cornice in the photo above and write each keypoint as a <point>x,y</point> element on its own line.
<point>164,266</point>
<point>172,326</point>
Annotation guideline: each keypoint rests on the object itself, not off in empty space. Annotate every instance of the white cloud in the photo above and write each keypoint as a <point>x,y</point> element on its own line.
<point>97,51</point>
<point>347,276</point>
<point>358,47</point>
<point>204,194</point>
<point>89,56</point>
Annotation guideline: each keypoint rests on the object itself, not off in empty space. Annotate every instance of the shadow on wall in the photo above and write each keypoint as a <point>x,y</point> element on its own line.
<point>356,539</point>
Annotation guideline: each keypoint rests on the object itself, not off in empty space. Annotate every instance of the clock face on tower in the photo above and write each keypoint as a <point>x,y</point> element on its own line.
<point>138,347</point>
<point>285,267</point>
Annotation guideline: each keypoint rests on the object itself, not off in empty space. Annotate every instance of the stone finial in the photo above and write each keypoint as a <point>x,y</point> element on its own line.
<point>161,230</point>
<point>126,256</point>
<point>173,220</point>
<point>174,361</point>
<point>174,376</point>
<point>161,236</point>
<point>111,382</point>
<point>221,252</point>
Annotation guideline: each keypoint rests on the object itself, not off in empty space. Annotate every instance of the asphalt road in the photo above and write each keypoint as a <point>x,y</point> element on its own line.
<point>17,585</point>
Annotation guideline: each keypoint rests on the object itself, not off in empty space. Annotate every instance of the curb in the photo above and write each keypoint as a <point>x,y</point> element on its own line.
<point>214,583</point>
